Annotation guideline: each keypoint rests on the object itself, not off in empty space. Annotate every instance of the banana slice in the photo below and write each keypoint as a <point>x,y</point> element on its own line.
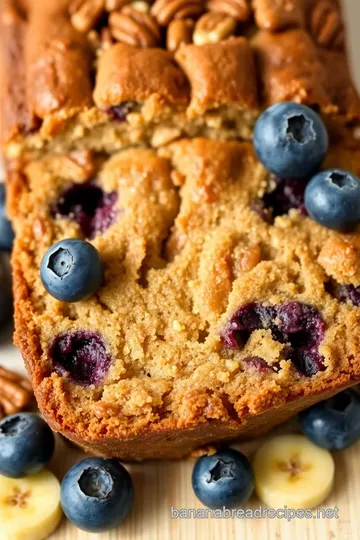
<point>29,507</point>
<point>290,470</point>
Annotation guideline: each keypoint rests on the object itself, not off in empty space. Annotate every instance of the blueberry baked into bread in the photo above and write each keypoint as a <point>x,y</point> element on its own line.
<point>197,287</point>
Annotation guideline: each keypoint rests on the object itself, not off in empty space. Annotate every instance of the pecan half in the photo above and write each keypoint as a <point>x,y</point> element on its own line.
<point>213,27</point>
<point>167,10</point>
<point>15,392</point>
<point>85,14</point>
<point>179,31</point>
<point>326,25</point>
<point>239,9</point>
<point>134,27</point>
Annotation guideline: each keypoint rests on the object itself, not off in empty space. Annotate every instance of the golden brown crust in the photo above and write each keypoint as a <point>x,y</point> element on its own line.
<point>58,63</point>
<point>298,44</point>
<point>15,115</point>
<point>168,441</point>
<point>340,87</point>
<point>45,66</point>
<point>127,73</point>
<point>187,248</point>
<point>290,68</point>
<point>230,61</point>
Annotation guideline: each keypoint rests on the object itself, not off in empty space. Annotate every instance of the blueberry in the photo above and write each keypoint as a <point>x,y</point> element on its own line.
<point>81,356</point>
<point>6,231</point>
<point>335,423</point>
<point>89,206</point>
<point>349,293</point>
<point>72,270</point>
<point>223,479</point>
<point>290,140</point>
<point>119,112</point>
<point>332,198</point>
<point>97,494</point>
<point>26,444</point>
<point>285,195</point>
<point>298,325</point>
<point>259,364</point>
<point>344,293</point>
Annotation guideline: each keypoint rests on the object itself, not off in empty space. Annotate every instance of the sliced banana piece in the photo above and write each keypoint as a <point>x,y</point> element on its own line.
<point>29,507</point>
<point>290,470</point>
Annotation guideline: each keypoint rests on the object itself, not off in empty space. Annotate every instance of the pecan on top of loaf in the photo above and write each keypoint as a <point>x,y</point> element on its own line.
<point>107,74</point>
<point>139,22</point>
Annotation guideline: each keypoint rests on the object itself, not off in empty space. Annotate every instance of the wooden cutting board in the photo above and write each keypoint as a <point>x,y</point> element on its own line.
<point>158,486</point>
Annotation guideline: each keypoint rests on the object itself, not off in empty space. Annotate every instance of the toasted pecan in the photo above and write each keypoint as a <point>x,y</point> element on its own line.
<point>113,5</point>
<point>179,31</point>
<point>15,392</point>
<point>167,10</point>
<point>326,25</point>
<point>213,27</point>
<point>85,13</point>
<point>106,39</point>
<point>239,9</point>
<point>134,27</point>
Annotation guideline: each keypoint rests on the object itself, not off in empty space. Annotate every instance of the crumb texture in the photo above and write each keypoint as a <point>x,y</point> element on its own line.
<point>209,315</point>
<point>224,308</point>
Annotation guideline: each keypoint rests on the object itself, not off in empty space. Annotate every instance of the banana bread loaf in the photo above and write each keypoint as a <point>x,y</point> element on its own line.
<point>189,260</point>
<point>224,309</point>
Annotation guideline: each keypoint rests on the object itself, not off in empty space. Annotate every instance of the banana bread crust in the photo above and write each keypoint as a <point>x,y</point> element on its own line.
<point>62,78</point>
<point>189,243</point>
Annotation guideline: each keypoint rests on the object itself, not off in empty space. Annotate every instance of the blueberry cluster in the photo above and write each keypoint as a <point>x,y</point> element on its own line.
<point>299,326</point>
<point>291,141</point>
<point>226,479</point>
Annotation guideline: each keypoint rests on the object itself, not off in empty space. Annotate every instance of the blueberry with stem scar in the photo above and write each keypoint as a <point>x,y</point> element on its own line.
<point>290,140</point>
<point>72,270</point>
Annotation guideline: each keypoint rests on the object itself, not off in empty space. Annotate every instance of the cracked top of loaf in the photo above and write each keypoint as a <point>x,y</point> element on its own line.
<point>205,61</point>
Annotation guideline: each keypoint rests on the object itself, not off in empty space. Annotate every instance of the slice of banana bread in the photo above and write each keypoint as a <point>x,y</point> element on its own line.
<point>105,74</point>
<point>224,308</point>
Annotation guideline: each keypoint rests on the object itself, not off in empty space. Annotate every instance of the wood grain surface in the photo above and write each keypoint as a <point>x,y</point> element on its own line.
<point>160,485</point>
